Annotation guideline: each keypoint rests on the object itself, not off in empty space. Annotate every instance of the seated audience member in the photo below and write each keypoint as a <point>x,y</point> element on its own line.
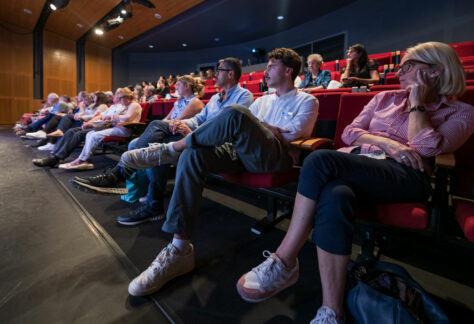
<point>127,110</point>
<point>180,122</point>
<point>210,74</point>
<point>139,94</point>
<point>171,80</point>
<point>61,107</point>
<point>150,93</point>
<point>315,78</point>
<point>110,98</point>
<point>202,76</point>
<point>359,70</point>
<point>238,139</point>
<point>74,136</point>
<point>163,88</point>
<point>407,128</point>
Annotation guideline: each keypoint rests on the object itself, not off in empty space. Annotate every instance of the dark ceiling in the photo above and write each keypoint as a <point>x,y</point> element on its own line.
<point>229,21</point>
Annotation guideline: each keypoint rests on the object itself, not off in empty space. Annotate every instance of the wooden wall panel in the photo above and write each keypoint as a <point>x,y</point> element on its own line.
<point>59,65</point>
<point>16,76</point>
<point>98,68</point>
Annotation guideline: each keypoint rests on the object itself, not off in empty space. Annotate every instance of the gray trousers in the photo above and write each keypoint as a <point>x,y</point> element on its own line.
<point>233,141</point>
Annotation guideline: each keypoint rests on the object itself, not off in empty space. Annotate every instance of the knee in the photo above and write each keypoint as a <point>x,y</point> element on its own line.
<point>336,203</point>
<point>235,110</point>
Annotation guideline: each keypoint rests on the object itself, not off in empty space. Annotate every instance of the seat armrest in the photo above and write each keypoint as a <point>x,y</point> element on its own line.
<point>445,160</point>
<point>312,144</point>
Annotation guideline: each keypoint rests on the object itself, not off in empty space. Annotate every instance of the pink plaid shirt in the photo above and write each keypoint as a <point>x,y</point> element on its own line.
<point>386,115</point>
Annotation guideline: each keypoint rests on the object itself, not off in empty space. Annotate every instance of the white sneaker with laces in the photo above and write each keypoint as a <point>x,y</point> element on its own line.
<point>47,147</point>
<point>326,315</point>
<point>38,134</point>
<point>170,263</point>
<point>267,279</point>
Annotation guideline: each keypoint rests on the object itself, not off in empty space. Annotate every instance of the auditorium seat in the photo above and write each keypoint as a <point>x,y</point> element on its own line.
<point>467,61</point>
<point>468,96</point>
<point>382,58</point>
<point>331,66</point>
<point>464,48</point>
<point>210,82</point>
<point>254,85</point>
<point>385,87</point>
<point>392,79</point>
<point>245,77</point>
<point>257,75</point>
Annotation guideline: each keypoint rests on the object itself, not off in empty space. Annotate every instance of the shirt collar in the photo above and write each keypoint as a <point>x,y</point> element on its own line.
<point>290,93</point>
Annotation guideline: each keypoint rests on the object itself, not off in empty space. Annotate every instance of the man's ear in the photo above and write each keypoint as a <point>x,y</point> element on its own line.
<point>289,71</point>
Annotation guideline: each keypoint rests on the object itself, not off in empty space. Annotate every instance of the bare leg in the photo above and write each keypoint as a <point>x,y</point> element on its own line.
<point>180,145</point>
<point>332,269</point>
<point>300,227</point>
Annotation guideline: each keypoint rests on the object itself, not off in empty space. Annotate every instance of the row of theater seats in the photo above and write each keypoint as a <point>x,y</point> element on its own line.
<point>387,63</point>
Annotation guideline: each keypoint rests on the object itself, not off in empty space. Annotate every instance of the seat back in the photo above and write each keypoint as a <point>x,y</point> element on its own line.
<point>350,106</point>
<point>385,87</point>
<point>328,110</point>
<point>257,75</point>
<point>468,96</point>
<point>157,109</point>
<point>464,48</point>
<point>254,86</point>
<point>382,58</point>
<point>145,110</point>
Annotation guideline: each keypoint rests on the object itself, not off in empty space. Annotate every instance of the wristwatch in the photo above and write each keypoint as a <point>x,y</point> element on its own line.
<point>418,109</point>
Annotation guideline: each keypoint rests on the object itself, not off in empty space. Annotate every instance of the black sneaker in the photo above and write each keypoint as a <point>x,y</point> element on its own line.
<point>50,161</point>
<point>39,143</point>
<point>105,180</point>
<point>143,213</point>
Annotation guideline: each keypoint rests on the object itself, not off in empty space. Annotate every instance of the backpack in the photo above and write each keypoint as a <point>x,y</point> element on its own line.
<point>385,293</point>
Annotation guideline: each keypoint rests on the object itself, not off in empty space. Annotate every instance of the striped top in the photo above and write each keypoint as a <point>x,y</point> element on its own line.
<point>387,114</point>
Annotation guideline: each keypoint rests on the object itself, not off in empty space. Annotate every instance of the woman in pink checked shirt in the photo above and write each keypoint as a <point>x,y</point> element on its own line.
<point>392,143</point>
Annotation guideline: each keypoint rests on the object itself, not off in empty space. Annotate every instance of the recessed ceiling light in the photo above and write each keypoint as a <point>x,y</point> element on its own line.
<point>53,7</point>
<point>123,11</point>
<point>80,25</point>
<point>280,17</point>
<point>99,31</point>
<point>157,16</point>
<point>217,39</point>
<point>28,11</point>
<point>151,46</point>
<point>184,44</point>
<point>120,36</point>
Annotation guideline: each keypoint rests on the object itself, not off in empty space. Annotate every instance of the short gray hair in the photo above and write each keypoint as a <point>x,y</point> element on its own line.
<point>316,57</point>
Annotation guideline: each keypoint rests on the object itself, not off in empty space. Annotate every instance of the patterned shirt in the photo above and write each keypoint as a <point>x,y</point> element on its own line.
<point>179,106</point>
<point>386,115</point>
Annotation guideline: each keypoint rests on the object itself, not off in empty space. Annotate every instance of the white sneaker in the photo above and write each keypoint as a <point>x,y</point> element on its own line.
<point>326,315</point>
<point>38,134</point>
<point>267,279</point>
<point>167,265</point>
<point>162,154</point>
<point>142,200</point>
<point>47,147</point>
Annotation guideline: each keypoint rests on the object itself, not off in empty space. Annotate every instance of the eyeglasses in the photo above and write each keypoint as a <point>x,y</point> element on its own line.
<point>122,97</point>
<point>220,70</point>
<point>405,67</point>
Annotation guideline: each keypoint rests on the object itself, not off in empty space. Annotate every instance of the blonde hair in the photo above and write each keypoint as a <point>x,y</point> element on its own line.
<point>124,92</point>
<point>316,57</point>
<point>194,83</point>
<point>451,81</point>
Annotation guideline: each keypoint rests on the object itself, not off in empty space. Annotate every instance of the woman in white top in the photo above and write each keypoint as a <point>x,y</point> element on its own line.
<point>125,109</point>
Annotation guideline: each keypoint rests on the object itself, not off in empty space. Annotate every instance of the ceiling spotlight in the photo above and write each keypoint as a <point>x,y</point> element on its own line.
<point>157,16</point>
<point>184,44</point>
<point>217,39</point>
<point>80,25</point>
<point>99,31</point>
<point>28,11</point>
<point>151,46</point>
<point>120,36</point>
<point>280,17</point>
<point>58,4</point>
<point>123,12</point>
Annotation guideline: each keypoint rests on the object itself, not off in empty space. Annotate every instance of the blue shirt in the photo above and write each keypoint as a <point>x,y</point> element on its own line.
<point>235,95</point>
<point>322,79</point>
<point>179,106</point>
<point>60,107</point>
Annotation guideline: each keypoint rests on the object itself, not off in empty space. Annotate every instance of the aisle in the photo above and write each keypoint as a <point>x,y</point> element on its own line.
<point>53,267</point>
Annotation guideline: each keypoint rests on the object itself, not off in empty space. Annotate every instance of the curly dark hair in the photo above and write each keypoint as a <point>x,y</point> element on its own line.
<point>289,58</point>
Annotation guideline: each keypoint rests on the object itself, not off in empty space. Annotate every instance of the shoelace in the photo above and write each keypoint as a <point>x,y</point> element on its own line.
<point>268,271</point>
<point>156,146</point>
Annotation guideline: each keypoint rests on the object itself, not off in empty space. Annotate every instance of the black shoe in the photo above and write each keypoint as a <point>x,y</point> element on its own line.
<point>105,180</point>
<point>143,213</point>
<point>50,161</point>
<point>39,143</point>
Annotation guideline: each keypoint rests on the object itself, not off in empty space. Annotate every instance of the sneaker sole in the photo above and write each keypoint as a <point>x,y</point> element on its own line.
<point>93,189</point>
<point>258,300</point>
<point>155,289</point>
<point>149,219</point>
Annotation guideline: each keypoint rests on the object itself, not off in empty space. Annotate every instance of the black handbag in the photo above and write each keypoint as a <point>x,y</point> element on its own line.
<point>385,293</point>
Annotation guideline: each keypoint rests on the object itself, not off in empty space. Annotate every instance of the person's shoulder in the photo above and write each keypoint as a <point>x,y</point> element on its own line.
<point>372,64</point>
<point>326,72</point>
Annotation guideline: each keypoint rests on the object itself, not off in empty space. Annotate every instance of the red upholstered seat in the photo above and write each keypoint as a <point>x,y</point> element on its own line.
<point>254,85</point>
<point>209,94</point>
<point>331,66</point>
<point>336,75</point>
<point>469,74</point>
<point>210,82</point>
<point>145,108</point>
<point>257,75</point>
<point>392,80</point>
<point>168,106</point>
<point>244,77</point>
<point>464,48</point>
<point>467,61</point>
<point>157,108</point>
<point>468,96</point>
<point>465,217</point>
<point>263,180</point>
<point>385,87</point>
<point>115,139</point>
<point>382,58</point>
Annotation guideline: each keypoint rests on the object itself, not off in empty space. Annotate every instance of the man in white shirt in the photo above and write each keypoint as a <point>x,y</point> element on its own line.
<point>237,139</point>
